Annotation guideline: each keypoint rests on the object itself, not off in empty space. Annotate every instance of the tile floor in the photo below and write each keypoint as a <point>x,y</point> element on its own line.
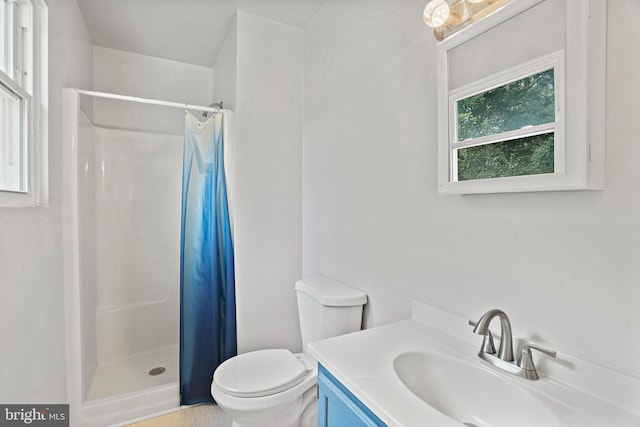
<point>193,416</point>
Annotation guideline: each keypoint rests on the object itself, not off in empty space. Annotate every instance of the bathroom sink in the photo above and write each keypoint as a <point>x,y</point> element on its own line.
<point>471,394</point>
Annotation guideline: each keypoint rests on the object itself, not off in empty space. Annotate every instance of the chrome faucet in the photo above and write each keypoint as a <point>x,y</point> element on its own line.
<point>505,352</point>
<point>504,360</point>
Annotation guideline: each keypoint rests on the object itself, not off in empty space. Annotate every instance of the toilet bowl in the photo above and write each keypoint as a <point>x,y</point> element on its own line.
<point>267,389</point>
<point>275,387</point>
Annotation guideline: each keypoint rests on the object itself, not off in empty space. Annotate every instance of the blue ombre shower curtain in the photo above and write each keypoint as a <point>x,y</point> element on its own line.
<point>207,285</point>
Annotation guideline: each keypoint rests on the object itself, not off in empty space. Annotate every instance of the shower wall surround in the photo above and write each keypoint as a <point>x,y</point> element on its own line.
<point>139,150</point>
<point>123,311</point>
<point>87,249</point>
<point>137,216</point>
<point>373,218</point>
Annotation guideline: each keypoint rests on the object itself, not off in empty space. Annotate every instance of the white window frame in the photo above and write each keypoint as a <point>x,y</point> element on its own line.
<point>555,62</point>
<point>585,100</point>
<point>29,81</point>
<point>24,127</point>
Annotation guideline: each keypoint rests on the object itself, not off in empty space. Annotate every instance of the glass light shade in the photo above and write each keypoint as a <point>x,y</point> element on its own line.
<point>436,13</point>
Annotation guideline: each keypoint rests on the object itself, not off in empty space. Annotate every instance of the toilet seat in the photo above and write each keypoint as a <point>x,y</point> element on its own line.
<point>259,373</point>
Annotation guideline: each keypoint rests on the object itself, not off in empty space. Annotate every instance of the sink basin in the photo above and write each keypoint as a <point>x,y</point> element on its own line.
<point>470,393</point>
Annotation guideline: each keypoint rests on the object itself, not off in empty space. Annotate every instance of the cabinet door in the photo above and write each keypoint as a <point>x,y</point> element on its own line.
<point>338,407</point>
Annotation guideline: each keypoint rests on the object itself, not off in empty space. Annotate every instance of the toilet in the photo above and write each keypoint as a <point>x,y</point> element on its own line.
<point>275,387</point>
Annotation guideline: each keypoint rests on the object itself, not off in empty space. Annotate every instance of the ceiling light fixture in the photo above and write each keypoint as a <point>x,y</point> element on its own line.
<point>436,13</point>
<point>447,19</point>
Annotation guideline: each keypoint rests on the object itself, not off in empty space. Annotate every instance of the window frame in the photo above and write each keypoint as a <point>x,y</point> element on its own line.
<point>25,147</point>
<point>553,61</point>
<point>33,91</point>
<point>584,84</point>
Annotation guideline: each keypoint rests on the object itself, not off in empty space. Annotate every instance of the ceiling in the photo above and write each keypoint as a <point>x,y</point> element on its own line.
<point>190,31</point>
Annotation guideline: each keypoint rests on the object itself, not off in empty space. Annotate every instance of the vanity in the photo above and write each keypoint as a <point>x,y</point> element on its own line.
<point>338,406</point>
<point>425,371</point>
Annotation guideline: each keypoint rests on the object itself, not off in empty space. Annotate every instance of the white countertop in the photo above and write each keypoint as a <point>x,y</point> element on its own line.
<point>363,362</point>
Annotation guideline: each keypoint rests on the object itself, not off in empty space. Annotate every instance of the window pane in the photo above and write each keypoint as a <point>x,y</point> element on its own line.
<point>525,156</point>
<point>526,102</point>
<point>12,161</point>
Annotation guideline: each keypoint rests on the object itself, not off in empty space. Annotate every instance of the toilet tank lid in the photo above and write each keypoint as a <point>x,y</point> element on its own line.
<point>330,292</point>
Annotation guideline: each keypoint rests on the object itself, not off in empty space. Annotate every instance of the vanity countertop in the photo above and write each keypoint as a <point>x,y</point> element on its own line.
<point>364,363</point>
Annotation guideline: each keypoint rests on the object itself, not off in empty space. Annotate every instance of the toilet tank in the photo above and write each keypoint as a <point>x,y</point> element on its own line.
<point>327,308</point>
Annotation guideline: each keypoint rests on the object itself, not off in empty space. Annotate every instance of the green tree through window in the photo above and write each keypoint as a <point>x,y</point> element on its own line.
<point>520,104</point>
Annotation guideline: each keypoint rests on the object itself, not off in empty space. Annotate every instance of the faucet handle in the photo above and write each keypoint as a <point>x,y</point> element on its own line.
<point>526,360</point>
<point>529,346</point>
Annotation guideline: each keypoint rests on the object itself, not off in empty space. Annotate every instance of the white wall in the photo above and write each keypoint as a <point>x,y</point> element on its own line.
<point>224,89</point>
<point>225,77</point>
<point>563,265</point>
<point>131,74</point>
<point>268,199</point>
<point>32,329</point>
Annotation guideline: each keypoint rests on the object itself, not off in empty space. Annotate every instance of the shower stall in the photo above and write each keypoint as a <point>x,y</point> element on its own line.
<point>122,205</point>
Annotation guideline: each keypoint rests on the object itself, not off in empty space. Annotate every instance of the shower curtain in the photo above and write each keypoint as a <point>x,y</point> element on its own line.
<point>207,285</point>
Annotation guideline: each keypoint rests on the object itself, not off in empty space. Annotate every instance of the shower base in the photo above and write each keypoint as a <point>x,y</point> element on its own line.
<point>133,373</point>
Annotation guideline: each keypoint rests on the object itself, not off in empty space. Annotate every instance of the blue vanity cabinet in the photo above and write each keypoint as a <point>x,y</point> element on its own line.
<point>338,407</point>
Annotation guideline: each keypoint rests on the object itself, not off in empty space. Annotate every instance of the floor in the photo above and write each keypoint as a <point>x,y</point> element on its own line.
<point>132,374</point>
<point>193,416</point>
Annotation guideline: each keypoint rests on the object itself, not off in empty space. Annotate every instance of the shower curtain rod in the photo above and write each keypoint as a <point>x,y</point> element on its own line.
<point>152,101</point>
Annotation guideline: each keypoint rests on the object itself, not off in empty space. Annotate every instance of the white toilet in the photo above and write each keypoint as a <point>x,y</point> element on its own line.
<point>276,387</point>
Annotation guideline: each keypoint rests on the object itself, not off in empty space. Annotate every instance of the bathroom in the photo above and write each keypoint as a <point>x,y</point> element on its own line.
<point>335,174</point>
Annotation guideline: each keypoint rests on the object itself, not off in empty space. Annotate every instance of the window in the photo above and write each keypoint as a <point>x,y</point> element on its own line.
<point>23,98</point>
<point>518,113</point>
<point>14,104</point>
<point>508,125</point>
